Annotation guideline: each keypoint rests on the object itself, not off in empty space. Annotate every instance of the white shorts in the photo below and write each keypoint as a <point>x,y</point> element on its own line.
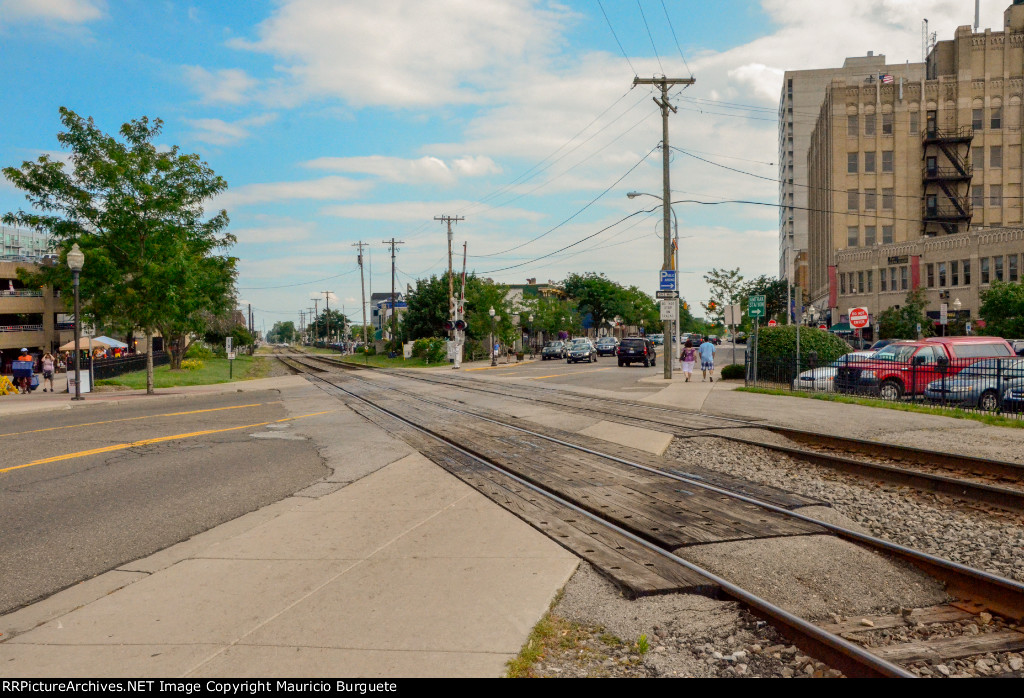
<point>687,367</point>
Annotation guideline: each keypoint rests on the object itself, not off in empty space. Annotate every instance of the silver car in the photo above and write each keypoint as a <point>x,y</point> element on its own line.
<point>823,379</point>
<point>979,384</point>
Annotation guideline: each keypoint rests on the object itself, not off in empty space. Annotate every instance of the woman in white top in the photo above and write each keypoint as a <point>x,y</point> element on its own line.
<point>49,364</point>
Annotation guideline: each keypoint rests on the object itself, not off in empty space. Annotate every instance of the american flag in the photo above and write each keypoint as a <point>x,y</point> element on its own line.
<point>886,79</point>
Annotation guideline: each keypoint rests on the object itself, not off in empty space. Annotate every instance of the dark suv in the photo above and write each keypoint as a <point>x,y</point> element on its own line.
<point>636,349</point>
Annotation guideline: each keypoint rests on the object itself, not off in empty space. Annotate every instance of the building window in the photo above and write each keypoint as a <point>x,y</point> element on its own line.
<point>977,196</point>
<point>869,124</point>
<point>886,234</point>
<point>842,289</point>
<point>886,124</point>
<point>892,278</point>
<point>904,278</point>
<point>881,279</point>
<point>869,235</point>
<point>967,272</point>
<point>942,274</point>
<point>1011,268</point>
<point>997,267</point>
<point>915,122</point>
<point>887,199</point>
<point>977,119</point>
<point>852,126</point>
<point>887,161</point>
<point>869,161</point>
<point>995,195</point>
<point>852,162</point>
<point>931,275</point>
<point>954,273</point>
<point>852,236</point>
<point>978,157</point>
<point>984,270</point>
<point>860,282</point>
<point>853,283</point>
<point>997,118</point>
<point>995,156</point>
<point>869,200</point>
<point>852,197</point>
<point>871,281</point>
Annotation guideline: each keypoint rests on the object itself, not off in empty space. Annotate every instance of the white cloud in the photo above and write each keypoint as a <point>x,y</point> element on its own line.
<point>276,230</point>
<point>325,188</point>
<point>430,170</point>
<point>225,86</point>
<point>67,11</point>
<point>419,211</point>
<point>406,53</point>
<point>220,132</point>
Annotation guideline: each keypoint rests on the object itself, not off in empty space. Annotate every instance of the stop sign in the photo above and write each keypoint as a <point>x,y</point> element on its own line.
<point>858,318</point>
<point>772,323</point>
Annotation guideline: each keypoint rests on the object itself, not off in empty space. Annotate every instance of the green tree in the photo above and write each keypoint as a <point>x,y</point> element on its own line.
<point>597,295</point>
<point>328,320</point>
<point>548,312</point>
<point>428,309</point>
<point>901,322</point>
<point>282,332</point>
<point>774,292</point>
<point>137,213</point>
<point>638,308</point>
<point>725,287</point>
<point>1002,309</point>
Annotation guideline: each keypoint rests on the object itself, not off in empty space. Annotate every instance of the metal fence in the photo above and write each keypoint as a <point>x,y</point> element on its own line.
<point>991,385</point>
<point>109,368</point>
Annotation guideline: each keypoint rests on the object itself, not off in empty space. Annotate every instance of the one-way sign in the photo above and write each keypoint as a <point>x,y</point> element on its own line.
<point>666,295</point>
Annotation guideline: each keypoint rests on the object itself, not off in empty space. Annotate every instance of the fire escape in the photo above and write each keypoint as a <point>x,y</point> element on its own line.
<point>947,178</point>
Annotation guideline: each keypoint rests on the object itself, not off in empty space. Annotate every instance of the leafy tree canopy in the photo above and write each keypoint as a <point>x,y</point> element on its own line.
<point>901,322</point>
<point>282,332</point>
<point>332,321</point>
<point>1002,309</point>
<point>725,287</point>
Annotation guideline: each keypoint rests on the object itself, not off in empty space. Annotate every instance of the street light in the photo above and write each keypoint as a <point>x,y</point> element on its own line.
<point>76,260</point>
<point>494,354</point>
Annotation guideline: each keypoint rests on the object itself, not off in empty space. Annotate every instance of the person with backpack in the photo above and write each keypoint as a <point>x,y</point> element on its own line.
<point>688,357</point>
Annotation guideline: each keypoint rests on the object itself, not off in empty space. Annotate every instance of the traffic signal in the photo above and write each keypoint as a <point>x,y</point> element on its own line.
<point>449,325</point>
<point>712,305</point>
<point>686,306</point>
<point>461,325</point>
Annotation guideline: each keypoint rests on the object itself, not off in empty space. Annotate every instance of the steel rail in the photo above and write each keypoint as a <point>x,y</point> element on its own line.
<point>1000,594</point>
<point>850,658</point>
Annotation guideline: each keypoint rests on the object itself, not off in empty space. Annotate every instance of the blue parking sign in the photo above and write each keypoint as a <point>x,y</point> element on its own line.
<point>668,279</point>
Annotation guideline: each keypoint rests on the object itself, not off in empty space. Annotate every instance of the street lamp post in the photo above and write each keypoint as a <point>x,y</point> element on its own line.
<point>531,335</point>
<point>494,354</point>
<point>76,260</point>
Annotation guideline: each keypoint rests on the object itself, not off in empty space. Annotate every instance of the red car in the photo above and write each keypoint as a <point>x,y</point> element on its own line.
<point>906,368</point>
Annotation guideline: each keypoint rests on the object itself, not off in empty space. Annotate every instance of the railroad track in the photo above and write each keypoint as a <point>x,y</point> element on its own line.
<point>979,480</point>
<point>607,530</point>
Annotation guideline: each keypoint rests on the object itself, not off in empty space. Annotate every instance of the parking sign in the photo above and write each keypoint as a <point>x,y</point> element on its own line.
<point>668,280</point>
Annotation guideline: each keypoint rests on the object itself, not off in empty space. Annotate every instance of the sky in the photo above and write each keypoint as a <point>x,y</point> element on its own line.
<point>339,121</point>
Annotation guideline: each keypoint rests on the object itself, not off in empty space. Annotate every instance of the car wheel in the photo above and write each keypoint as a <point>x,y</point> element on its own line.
<point>890,390</point>
<point>647,362</point>
<point>989,401</point>
<point>621,363</point>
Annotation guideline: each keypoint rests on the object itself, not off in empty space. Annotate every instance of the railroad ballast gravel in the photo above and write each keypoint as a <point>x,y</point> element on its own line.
<point>975,535</point>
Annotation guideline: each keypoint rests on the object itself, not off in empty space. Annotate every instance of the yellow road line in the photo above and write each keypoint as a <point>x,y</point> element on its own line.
<point>131,419</point>
<point>503,366</point>
<point>571,373</point>
<point>159,439</point>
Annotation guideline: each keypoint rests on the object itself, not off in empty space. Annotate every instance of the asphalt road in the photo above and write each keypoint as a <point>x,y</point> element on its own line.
<point>83,491</point>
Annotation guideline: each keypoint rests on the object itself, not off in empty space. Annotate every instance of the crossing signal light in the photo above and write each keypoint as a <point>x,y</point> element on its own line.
<point>449,325</point>
<point>460,325</point>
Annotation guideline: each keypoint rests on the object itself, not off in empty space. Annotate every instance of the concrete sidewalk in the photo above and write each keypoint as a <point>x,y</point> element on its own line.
<point>389,567</point>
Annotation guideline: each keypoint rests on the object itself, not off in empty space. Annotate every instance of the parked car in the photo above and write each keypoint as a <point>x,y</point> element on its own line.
<point>553,350</point>
<point>715,339</point>
<point>581,350</point>
<point>741,338</point>
<point>823,377</point>
<point>607,345</point>
<point>637,349</point>
<point>885,342</point>
<point>979,384</point>
<point>1013,398</point>
<point>1018,346</point>
<point>656,339</point>
<point>908,367</point>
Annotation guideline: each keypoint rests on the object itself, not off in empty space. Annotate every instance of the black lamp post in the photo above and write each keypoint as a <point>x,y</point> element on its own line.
<point>76,260</point>
<point>494,354</point>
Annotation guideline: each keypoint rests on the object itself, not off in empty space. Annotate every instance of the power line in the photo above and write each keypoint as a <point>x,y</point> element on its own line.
<point>601,5</point>
<point>304,283</point>
<point>650,36</point>
<point>674,38</point>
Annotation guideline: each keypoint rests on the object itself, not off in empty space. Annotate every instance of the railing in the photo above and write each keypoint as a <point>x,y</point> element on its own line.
<point>109,368</point>
<point>21,328</point>
<point>963,133</point>
<point>21,293</point>
<point>65,325</point>
<point>973,384</point>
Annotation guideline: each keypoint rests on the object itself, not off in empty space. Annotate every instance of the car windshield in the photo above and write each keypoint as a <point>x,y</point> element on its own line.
<point>579,344</point>
<point>991,367</point>
<point>895,352</point>
<point>553,345</point>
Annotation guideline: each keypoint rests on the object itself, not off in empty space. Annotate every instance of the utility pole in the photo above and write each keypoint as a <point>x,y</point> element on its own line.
<point>666,199</point>
<point>451,279</point>
<point>316,319</point>
<point>394,309</point>
<point>310,313</point>
<point>362,288</point>
<point>327,301</point>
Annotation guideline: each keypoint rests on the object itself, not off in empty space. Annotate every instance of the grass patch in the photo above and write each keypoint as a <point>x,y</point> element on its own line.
<point>213,371</point>
<point>382,361</point>
<point>990,419</point>
<point>550,633</point>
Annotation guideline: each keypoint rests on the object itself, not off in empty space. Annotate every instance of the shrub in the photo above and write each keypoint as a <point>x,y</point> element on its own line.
<point>431,349</point>
<point>777,348</point>
<point>191,364</point>
<point>733,371</point>
<point>198,350</point>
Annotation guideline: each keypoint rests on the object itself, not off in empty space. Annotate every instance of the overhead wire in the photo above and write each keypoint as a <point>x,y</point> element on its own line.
<point>304,283</point>
<point>650,36</point>
<point>616,36</point>
<point>675,38</point>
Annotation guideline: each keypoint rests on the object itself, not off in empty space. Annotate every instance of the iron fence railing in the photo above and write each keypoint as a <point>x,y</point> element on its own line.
<point>110,368</point>
<point>978,384</point>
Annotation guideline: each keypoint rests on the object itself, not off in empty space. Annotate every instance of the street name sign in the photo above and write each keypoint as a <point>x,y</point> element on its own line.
<point>859,318</point>
<point>756,306</point>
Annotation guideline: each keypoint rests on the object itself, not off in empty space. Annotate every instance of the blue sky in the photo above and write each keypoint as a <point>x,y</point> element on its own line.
<point>336,121</point>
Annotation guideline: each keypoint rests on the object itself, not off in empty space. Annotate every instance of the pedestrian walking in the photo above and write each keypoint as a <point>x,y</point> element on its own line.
<point>24,376</point>
<point>49,364</point>
<point>707,360</point>
<point>688,357</point>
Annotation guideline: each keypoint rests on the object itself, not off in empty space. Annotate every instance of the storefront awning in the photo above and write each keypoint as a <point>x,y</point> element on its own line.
<point>841,327</point>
